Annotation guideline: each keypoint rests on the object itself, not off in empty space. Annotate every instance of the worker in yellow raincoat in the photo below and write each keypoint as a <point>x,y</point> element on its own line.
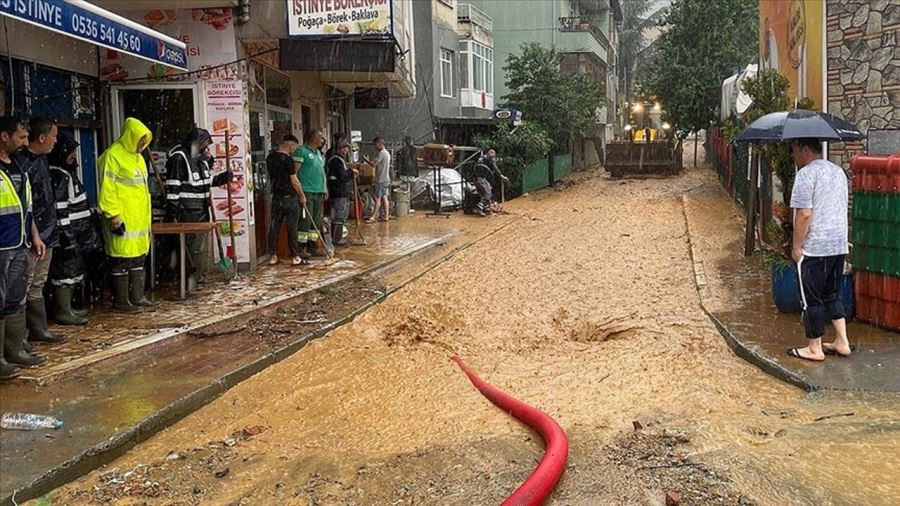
<point>125,204</point>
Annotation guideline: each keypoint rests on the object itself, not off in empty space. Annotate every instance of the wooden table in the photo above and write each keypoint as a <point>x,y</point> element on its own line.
<point>182,229</point>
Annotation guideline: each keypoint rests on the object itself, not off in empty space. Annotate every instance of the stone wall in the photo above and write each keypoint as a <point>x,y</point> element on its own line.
<point>863,58</point>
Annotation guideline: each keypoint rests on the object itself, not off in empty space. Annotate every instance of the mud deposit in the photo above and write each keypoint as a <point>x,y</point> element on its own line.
<point>584,307</point>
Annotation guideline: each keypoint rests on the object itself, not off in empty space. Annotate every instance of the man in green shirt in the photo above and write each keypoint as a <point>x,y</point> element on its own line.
<point>310,166</point>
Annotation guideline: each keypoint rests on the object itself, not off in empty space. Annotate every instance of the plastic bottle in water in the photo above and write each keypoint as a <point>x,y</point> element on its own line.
<point>27,421</point>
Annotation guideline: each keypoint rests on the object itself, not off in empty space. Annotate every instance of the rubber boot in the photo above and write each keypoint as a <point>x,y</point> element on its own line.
<point>137,290</point>
<point>123,303</point>
<point>337,234</point>
<point>7,371</point>
<point>14,344</point>
<point>64,313</point>
<point>36,319</point>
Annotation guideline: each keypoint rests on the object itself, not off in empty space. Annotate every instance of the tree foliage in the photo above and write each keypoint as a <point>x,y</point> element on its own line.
<point>517,147</point>
<point>632,41</point>
<point>564,104</point>
<point>704,40</point>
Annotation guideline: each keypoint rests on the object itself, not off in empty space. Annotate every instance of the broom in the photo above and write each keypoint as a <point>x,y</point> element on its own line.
<point>358,212</point>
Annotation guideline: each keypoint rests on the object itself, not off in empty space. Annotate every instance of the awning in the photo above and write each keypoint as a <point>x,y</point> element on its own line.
<point>87,22</point>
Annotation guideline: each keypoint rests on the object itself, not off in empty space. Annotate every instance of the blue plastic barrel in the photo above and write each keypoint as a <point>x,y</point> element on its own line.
<point>786,288</point>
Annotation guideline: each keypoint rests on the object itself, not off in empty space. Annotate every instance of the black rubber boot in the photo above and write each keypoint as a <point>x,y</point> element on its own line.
<point>7,371</point>
<point>14,343</point>
<point>137,290</point>
<point>36,320</point>
<point>123,304</point>
<point>64,313</point>
<point>337,234</point>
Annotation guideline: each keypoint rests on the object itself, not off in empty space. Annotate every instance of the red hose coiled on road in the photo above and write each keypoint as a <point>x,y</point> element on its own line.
<point>545,476</point>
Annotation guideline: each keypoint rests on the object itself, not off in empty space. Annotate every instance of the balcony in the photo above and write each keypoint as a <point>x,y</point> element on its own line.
<point>467,13</point>
<point>582,24</point>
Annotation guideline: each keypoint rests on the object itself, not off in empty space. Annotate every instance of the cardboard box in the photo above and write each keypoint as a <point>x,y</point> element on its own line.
<point>366,172</point>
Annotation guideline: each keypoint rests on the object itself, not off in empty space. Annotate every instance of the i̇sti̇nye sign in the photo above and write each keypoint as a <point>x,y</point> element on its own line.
<point>87,22</point>
<point>339,18</point>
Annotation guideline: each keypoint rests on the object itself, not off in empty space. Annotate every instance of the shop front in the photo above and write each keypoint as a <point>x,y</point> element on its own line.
<point>51,69</point>
<point>212,94</point>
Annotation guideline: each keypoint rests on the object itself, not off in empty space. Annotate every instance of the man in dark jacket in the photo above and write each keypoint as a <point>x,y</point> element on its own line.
<point>41,139</point>
<point>79,234</point>
<point>486,175</point>
<point>340,189</point>
<point>188,180</point>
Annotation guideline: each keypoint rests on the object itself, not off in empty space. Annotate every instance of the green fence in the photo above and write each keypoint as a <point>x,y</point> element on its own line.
<point>562,166</point>
<point>536,175</point>
<point>876,232</point>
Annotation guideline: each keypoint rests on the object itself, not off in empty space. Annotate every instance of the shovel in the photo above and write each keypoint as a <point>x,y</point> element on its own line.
<point>230,203</point>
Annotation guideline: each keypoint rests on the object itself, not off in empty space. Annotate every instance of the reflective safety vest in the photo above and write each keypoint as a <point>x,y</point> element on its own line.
<point>124,192</point>
<point>15,220</point>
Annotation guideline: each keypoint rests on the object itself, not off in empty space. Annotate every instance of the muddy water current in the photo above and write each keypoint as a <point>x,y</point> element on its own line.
<point>585,307</point>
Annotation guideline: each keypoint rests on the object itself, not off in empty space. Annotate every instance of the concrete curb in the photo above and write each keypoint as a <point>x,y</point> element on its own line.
<point>749,354</point>
<point>109,450</point>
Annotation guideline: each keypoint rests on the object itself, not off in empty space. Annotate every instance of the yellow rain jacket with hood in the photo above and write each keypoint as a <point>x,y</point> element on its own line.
<point>124,192</point>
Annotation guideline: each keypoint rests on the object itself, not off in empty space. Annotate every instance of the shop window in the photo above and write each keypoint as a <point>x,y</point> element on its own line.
<point>446,73</point>
<point>169,113</point>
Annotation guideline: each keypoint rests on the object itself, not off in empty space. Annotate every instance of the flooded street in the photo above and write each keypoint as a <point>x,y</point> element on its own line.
<point>585,307</point>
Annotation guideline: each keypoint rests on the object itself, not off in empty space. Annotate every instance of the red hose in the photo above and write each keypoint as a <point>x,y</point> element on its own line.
<point>545,476</point>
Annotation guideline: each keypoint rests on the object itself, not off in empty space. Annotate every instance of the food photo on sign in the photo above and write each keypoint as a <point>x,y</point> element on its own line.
<point>316,18</point>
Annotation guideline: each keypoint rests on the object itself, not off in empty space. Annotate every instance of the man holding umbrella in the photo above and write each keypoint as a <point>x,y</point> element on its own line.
<point>819,201</point>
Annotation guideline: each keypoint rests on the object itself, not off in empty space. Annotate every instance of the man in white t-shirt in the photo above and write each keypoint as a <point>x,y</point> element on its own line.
<point>819,200</point>
<point>382,182</point>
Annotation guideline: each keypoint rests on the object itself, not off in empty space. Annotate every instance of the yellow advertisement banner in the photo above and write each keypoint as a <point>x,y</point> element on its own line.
<point>791,40</point>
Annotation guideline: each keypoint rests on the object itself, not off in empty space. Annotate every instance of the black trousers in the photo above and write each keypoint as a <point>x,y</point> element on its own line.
<point>820,295</point>
<point>122,266</point>
<point>284,209</point>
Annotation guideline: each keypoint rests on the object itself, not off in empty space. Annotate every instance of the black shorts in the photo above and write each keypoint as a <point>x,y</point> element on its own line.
<point>820,295</point>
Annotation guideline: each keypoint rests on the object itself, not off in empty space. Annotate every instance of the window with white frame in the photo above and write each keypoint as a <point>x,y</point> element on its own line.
<point>446,73</point>
<point>477,67</point>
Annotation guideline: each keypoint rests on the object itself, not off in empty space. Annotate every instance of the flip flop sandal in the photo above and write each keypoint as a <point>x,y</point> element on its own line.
<point>795,352</point>
<point>853,349</point>
<point>301,262</point>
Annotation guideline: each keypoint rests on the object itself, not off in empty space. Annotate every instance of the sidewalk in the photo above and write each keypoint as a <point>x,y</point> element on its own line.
<point>737,295</point>
<point>128,377</point>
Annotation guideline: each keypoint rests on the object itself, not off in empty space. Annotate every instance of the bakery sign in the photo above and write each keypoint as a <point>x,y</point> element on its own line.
<point>339,18</point>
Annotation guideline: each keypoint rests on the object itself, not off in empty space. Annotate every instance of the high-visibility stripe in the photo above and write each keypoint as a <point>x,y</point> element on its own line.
<point>186,195</point>
<point>172,196</point>
<point>173,182</point>
<point>63,222</point>
<point>139,233</point>
<point>67,281</point>
<point>10,210</point>
<point>131,181</point>
<point>302,237</point>
<point>80,198</point>
<point>80,215</point>
<point>62,205</point>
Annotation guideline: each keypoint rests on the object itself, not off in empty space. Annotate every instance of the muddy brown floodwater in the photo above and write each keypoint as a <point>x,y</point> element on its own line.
<point>584,307</point>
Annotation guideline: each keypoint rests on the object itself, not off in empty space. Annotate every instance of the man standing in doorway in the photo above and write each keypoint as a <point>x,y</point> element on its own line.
<point>819,200</point>
<point>17,233</point>
<point>382,182</point>
<point>309,163</point>
<point>287,198</point>
<point>41,138</point>
<point>188,180</point>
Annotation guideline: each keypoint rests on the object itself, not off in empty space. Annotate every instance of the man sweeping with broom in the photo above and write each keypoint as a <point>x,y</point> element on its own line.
<point>310,166</point>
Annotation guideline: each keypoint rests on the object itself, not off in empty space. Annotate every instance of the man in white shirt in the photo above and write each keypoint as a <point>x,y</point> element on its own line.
<point>819,200</point>
<point>382,182</point>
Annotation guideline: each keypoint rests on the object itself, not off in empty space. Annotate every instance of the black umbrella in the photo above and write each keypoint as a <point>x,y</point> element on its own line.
<point>797,124</point>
